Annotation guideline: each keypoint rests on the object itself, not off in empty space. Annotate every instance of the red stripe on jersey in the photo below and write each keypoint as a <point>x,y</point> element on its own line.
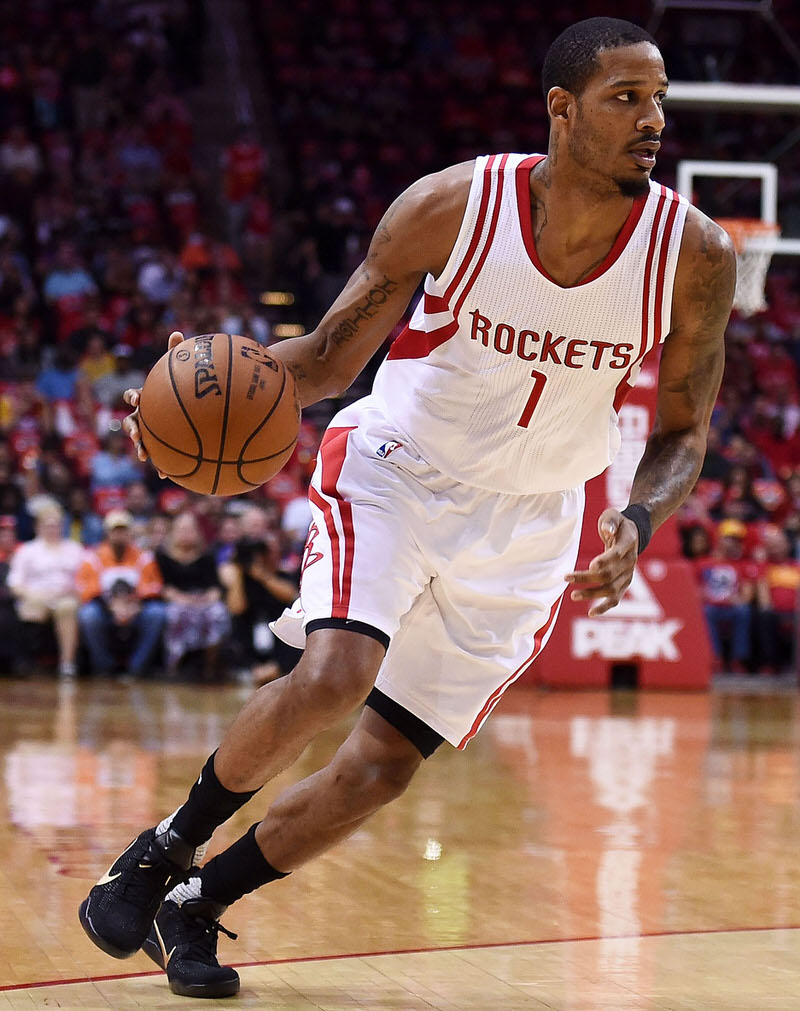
<point>625,387</point>
<point>648,270</point>
<point>419,343</point>
<point>497,694</point>
<point>434,304</point>
<point>526,226</point>
<point>498,198</point>
<point>621,395</point>
<point>332,453</point>
<point>661,273</point>
<point>476,234</point>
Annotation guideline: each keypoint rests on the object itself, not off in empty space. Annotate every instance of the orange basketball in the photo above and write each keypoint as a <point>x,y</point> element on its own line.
<point>219,415</point>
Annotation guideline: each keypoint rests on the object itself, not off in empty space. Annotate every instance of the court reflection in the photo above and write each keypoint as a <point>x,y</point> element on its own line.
<point>571,815</point>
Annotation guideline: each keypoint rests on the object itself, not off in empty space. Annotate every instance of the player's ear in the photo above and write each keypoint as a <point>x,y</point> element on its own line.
<point>559,101</point>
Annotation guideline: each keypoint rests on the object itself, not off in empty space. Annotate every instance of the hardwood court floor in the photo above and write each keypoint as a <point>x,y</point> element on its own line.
<point>587,851</point>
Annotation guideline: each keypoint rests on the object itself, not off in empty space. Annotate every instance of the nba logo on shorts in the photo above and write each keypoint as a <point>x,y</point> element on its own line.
<point>387,448</point>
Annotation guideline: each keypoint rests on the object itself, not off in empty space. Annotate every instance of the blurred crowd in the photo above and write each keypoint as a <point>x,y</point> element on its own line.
<point>104,250</point>
<point>741,524</point>
<point>107,244</point>
<point>190,594</point>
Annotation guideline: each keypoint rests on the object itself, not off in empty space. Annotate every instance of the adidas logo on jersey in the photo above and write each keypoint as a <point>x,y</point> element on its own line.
<point>531,346</point>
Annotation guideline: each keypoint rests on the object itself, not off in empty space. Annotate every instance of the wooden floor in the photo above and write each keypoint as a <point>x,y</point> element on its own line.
<point>587,851</point>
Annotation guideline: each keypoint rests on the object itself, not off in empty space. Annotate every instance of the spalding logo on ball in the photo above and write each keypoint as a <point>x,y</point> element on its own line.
<point>219,415</point>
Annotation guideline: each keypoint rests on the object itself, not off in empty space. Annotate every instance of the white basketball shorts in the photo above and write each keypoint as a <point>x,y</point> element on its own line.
<point>465,584</point>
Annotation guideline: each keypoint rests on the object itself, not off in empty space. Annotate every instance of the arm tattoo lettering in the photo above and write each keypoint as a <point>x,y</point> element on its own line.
<point>366,309</point>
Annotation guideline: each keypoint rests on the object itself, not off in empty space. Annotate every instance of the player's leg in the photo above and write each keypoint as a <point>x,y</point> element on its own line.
<point>363,569</point>
<point>373,767</point>
<point>333,676</point>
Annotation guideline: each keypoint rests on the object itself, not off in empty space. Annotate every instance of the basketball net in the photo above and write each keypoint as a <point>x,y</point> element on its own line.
<point>755,241</point>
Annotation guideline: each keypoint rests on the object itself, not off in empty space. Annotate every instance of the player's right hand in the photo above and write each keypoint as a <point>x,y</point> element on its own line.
<point>131,397</point>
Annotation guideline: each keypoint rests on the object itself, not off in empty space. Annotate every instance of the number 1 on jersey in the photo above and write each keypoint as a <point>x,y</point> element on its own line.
<point>539,379</point>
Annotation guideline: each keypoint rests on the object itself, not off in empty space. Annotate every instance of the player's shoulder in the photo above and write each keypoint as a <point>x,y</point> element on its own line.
<point>444,191</point>
<point>706,269</point>
<point>704,240</point>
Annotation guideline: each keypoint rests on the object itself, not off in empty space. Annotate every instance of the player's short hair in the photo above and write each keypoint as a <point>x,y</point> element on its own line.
<point>572,58</point>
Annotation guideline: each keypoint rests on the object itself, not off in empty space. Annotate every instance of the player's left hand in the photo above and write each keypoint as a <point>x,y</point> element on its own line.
<point>609,575</point>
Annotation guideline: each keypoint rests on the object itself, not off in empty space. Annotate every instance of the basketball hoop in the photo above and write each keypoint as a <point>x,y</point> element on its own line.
<point>755,241</point>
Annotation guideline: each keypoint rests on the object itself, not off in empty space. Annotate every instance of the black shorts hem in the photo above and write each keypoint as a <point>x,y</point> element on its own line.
<point>423,737</point>
<point>350,626</point>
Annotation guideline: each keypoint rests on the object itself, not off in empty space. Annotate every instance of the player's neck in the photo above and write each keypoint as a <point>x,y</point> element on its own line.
<point>575,203</point>
<point>574,223</point>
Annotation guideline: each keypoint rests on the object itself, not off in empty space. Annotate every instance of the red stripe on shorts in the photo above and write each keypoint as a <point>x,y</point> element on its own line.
<point>332,453</point>
<point>497,694</point>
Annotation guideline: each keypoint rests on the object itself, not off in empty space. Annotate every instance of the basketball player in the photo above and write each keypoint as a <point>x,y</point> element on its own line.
<point>447,505</point>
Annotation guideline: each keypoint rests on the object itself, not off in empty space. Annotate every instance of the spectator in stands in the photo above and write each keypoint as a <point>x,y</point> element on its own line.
<point>96,362</point>
<point>42,578</point>
<point>119,586</point>
<point>697,542</point>
<point>9,632</point>
<point>778,590</point>
<point>62,380</point>
<point>157,532</point>
<point>19,156</point>
<point>228,534</point>
<point>257,594</point>
<point>113,466</point>
<point>81,522</point>
<point>727,583</point>
<point>68,276</point>
<point>110,387</point>
<point>197,618</point>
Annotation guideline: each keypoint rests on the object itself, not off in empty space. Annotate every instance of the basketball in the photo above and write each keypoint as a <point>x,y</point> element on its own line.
<point>219,415</point>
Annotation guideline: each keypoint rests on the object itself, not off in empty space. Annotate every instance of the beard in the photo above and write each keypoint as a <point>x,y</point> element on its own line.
<point>633,187</point>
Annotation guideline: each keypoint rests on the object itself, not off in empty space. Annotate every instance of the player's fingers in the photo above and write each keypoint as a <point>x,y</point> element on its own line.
<point>597,609</point>
<point>612,587</point>
<point>131,397</point>
<point>131,426</point>
<point>585,577</point>
<point>608,595</point>
<point>609,562</point>
<point>174,339</point>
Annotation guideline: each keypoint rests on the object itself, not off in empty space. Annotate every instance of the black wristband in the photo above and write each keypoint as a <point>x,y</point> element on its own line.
<point>639,515</point>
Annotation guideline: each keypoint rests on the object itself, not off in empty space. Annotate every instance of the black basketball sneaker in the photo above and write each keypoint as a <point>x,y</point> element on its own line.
<point>183,941</point>
<point>119,911</point>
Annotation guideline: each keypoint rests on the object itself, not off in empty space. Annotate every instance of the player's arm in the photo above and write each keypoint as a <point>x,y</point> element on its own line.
<point>689,377</point>
<point>414,237</point>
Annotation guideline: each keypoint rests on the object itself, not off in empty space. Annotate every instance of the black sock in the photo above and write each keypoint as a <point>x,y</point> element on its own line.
<point>208,805</point>
<point>239,869</point>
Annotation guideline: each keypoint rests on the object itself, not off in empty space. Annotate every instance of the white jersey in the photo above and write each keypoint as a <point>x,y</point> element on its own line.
<point>508,381</point>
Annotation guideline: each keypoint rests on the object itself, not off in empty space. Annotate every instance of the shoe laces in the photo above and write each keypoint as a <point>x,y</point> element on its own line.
<point>136,886</point>
<point>201,938</point>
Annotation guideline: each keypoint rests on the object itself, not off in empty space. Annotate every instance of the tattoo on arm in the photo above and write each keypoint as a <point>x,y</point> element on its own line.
<point>368,307</point>
<point>676,448</point>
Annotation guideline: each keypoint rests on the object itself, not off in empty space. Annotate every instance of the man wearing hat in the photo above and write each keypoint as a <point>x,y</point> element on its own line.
<point>728,582</point>
<point>108,615</point>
